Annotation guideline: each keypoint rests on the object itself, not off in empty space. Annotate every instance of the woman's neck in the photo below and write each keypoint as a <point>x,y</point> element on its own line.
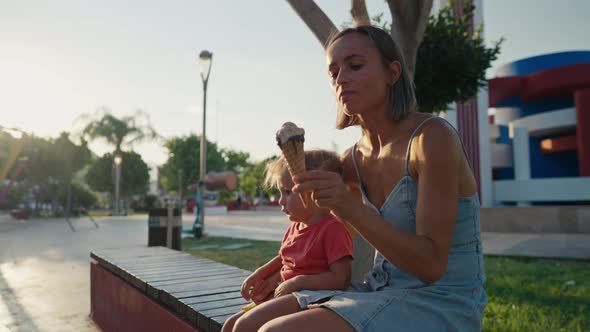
<point>379,130</point>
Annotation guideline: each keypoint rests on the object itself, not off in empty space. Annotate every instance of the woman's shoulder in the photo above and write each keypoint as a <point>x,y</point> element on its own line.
<point>436,142</point>
<point>435,135</point>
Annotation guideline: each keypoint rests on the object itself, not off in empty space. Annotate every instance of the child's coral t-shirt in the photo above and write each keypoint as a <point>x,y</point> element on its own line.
<point>311,250</point>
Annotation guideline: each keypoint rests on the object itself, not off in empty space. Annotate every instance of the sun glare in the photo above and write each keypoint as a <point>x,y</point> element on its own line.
<point>36,97</point>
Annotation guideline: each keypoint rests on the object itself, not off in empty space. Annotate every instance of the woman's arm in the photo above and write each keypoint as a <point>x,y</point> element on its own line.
<point>337,278</point>
<point>424,254</point>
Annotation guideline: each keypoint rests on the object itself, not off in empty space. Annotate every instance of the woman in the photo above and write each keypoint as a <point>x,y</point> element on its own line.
<point>419,209</point>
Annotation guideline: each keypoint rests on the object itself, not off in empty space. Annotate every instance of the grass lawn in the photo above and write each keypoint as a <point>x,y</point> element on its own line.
<point>99,213</point>
<point>247,258</point>
<point>524,294</point>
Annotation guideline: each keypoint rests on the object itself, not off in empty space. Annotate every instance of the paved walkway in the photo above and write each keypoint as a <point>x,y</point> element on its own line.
<point>44,265</point>
<point>569,246</point>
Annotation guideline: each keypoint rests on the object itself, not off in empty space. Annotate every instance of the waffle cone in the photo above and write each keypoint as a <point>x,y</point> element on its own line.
<point>293,152</point>
<point>295,156</point>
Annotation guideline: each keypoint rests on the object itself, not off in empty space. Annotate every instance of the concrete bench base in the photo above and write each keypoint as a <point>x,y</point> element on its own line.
<point>117,306</point>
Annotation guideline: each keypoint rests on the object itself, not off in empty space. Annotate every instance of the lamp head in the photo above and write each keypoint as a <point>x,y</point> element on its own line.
<point>205,59</point>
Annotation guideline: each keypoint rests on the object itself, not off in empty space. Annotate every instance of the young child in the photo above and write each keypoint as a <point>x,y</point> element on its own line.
<point>316,251</point>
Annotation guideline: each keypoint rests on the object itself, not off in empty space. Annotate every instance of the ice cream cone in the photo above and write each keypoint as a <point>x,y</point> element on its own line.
<point>290,139</point>
<point>295,156</point>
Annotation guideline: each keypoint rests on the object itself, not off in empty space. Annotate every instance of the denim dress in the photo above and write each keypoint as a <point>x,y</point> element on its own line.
<point>392,300</point>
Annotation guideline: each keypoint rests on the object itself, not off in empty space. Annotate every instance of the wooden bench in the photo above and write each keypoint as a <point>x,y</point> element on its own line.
<point>159,289</point>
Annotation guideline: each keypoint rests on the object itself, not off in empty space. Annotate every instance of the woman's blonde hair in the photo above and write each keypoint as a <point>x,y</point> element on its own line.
<point>402,99</point>
<point>314,160</point>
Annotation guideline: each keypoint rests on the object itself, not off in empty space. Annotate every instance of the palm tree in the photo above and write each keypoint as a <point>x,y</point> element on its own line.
<point>124,131</point>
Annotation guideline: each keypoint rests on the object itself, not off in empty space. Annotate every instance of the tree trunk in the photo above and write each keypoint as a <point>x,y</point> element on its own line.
<point>408,23</point>
<point>315,19</point>
<point>69,200</point>
<point>358,11</point>
<point>54,203</point>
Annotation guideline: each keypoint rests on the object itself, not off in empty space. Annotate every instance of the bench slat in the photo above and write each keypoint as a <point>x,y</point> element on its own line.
<point>205,291</point>
<point>175,269</point>
<point>179,304</point>
<point>215,281</point>
<point>197,277</point>
<point>179,274</point>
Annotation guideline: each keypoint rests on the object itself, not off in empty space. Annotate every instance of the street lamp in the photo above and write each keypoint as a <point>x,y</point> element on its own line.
<point>118,159</point>
<point>205,61</point>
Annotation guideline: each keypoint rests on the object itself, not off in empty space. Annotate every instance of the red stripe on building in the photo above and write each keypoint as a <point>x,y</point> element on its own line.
<point>467,118</point>
<point>582,101</point>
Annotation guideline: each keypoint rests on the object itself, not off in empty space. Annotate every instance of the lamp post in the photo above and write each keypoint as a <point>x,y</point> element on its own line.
<point>118,159</point>
<point>180,189</point>
<point>205,61</point>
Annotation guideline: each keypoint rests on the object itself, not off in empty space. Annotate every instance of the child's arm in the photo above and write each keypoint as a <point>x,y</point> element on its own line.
<point>255,282</point>
<point>271,267</point>
<point>337,278</point>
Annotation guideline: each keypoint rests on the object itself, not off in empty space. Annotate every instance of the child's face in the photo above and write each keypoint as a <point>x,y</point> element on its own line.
<point>291,203</point>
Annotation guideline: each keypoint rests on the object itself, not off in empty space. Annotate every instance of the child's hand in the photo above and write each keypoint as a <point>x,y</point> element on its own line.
<point>257,288</point>
<point>286,287</point>
<point>249,284</point>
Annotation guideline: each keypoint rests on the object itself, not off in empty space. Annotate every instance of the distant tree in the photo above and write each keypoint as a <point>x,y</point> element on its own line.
<point>252,180</point>
<point>145,203</point>
<point>184,154</point>
<point>9,145</point>
<point>52,165</point>
<point>43,164</point>
<point>135,176</point>
<point>119,132</point>
<point>235,160</point>
<point>13,198</point>
<point>451,65</point>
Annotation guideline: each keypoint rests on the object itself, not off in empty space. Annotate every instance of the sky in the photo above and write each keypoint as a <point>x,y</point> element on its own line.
<point>62,58</point>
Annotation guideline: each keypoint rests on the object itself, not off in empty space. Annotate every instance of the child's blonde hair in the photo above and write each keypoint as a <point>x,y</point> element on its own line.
<point>314,160</point>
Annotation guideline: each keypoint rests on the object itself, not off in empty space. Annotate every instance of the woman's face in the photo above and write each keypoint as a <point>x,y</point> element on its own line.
<point>360,79</point>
